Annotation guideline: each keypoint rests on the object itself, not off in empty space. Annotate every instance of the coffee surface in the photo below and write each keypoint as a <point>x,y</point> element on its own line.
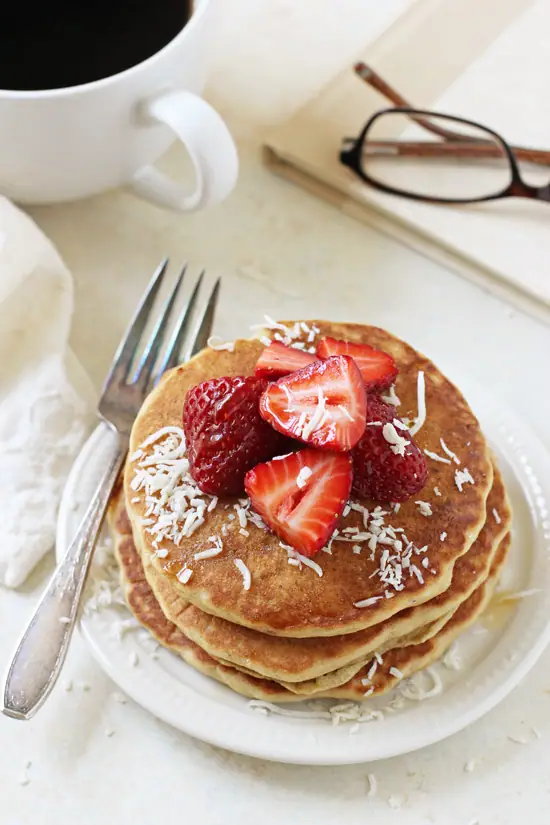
<point>62,43</point>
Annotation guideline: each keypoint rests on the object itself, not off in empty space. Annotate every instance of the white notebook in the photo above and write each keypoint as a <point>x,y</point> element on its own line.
<point>486,60</point>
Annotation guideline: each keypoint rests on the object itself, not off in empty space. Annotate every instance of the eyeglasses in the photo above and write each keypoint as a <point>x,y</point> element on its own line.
<point>439,158</point>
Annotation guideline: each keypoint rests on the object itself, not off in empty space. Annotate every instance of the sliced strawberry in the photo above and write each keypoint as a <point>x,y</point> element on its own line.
<point>323,404</point>
<point>277,360</point>
<point>377,368</point>
<point>301,496</point>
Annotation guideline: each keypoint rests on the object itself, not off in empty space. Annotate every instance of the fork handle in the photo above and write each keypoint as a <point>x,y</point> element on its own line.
<point>43,648</point>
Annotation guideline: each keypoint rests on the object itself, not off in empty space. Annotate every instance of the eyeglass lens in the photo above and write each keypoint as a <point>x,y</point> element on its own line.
<point>470,165</point>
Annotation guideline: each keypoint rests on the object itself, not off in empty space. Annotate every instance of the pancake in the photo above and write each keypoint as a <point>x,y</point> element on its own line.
<point>407,660</point>
<point>285,600</point>
<point>318,663</point>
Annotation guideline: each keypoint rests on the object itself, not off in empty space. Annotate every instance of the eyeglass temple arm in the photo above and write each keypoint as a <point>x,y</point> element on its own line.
<point>373,79</point>
<point>432,149</point>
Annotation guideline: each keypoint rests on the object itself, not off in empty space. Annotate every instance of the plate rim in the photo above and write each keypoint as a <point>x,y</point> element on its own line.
<point>249,734</point>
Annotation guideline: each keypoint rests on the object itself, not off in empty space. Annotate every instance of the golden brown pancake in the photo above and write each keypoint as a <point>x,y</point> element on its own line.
<point>301,664</point>
<point>401,661</point>
<point>283,599</point>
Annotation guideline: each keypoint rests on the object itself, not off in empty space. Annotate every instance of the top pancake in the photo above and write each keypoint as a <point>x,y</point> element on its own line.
<point>286,600</point>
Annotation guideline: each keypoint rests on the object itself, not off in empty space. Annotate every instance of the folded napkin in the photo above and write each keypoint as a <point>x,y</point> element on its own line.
<point>46,401</point>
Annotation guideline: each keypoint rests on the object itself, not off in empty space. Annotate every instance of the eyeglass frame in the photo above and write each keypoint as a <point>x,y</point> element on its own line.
<point>453,144</point>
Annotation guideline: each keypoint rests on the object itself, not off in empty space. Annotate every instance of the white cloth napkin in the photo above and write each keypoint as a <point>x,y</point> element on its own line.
<point>46,400</point>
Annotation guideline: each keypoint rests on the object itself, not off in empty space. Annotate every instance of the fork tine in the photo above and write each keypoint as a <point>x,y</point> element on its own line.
<point>204,327</point>
<point>150,355</point>
<point>172,355</point>
<point>127,348</point>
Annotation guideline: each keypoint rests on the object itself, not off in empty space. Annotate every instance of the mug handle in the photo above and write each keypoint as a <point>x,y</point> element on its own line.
<point>210,145</point>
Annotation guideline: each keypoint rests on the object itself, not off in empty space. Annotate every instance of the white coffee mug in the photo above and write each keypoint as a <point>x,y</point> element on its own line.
<point>69,143</point>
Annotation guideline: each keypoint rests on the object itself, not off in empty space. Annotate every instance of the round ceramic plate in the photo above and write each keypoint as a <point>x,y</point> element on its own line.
<point>490,659</point>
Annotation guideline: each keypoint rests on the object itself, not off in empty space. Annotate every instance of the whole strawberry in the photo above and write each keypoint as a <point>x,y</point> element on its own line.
<point>225,434</point>
<point>387,464</point>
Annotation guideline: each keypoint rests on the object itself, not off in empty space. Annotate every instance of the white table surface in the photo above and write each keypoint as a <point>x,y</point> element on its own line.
<point>281,252</point>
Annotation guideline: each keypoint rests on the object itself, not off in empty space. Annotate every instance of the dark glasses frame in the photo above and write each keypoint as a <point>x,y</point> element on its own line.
<point>453,144</point>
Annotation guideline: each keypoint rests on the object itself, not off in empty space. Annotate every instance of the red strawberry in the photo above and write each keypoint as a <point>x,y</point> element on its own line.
<point>277,360</point>
<point>377,368</point>
<point>225,434</point>
<point>380,472</point>
<point>323,404</point>
<point>301,496</point>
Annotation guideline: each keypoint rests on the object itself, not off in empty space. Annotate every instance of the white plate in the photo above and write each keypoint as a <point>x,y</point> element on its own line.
<point>493,662</point>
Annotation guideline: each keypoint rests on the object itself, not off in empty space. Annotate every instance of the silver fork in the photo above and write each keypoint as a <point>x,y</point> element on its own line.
<point>42,650</point>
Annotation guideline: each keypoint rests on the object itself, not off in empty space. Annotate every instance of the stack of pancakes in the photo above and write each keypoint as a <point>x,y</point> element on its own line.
<point>386,597</point>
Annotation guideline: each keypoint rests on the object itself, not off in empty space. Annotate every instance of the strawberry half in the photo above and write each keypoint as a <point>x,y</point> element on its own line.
<point>377,368</point>
<point>301,496</point>
<point>387,464</point>
<point>277,360</point>
<point>225,434</point>
<point>323,404</point>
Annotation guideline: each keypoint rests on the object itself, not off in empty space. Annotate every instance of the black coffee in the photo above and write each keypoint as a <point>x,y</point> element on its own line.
<point>57,43</point>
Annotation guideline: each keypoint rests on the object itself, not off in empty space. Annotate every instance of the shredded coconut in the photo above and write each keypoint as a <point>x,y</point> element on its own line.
<point>398,444</point>
<point>210,552</point>
<point>451,659</point>
<point>293,554</point>
<point>436,457</point>
<point>336,713</point>
<point>394,671</point>
<point>391,397</point>
<point>373,786</point>
<point>437,490</point>
<point>185,574</point>
<point>241,515</point>
<point>316,419</point>
<point>518,740</point>
<point>303,476</point>
<point>448,452</point>
<point>367,602</point>
<point>245,572</point>
<point>421,399</point>
<point>218,344</point>
<point>417,573</point>
<point>443,536</point>
<point>372,670</point>
<point>412,689</point>
<point>519,594</point>
<point>496,516</point>
<point>173,501</point>
<point>425,507</point>
<point>462,477</point>
<point>399,425</point>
